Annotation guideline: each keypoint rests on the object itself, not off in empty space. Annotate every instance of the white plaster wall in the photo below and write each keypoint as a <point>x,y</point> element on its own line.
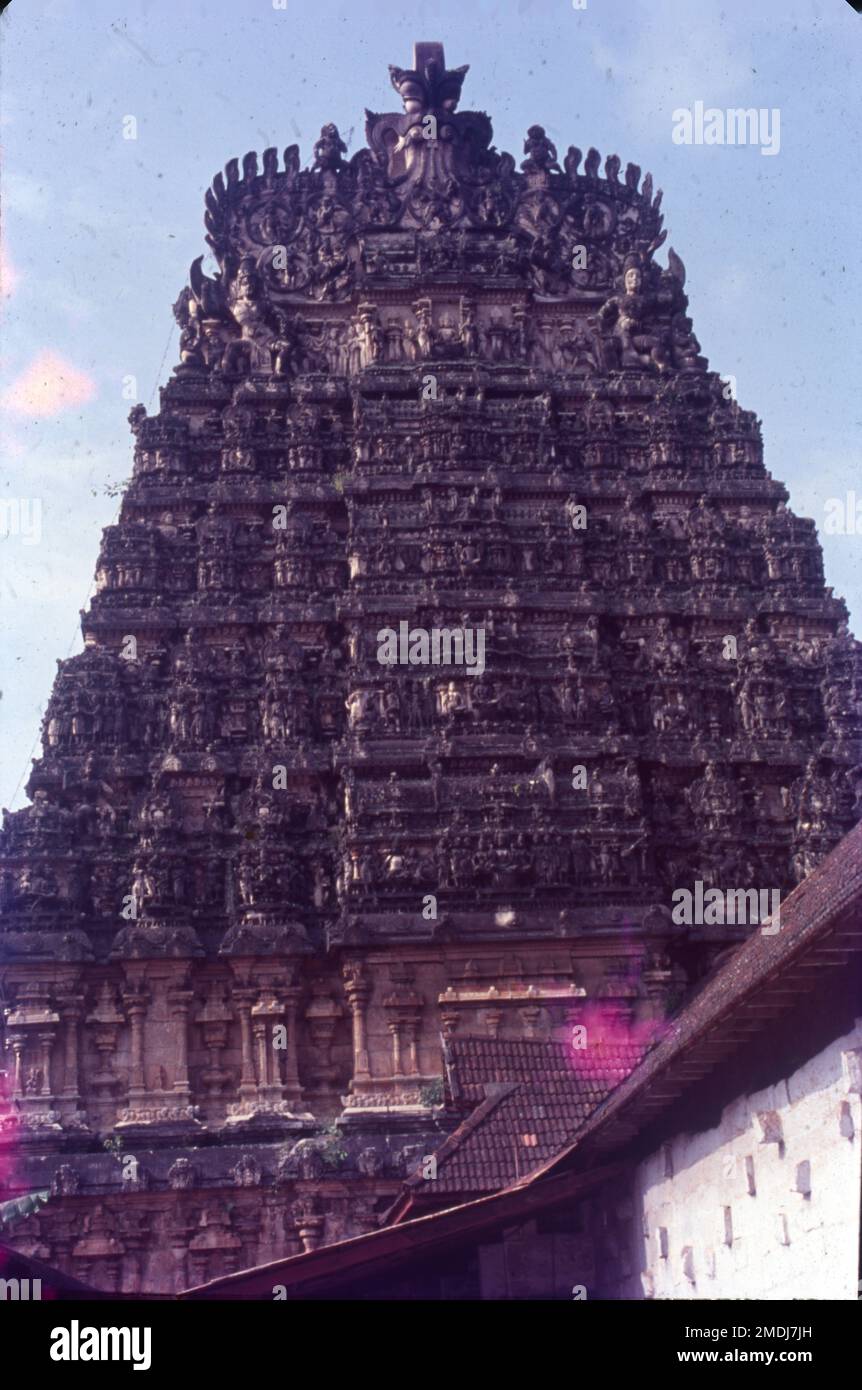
<point>782,1244</point>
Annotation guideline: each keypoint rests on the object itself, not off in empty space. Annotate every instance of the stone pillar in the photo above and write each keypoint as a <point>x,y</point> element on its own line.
<point>17,1042</point>
<point>292,1087</point>
<point>46,1041</point>
<point>136,999</point>
<point>259,1028</point>
<point>411,1034</point>
<point>394,1027</point>
<point>71,1009</point>
<point>180,1000</point>
<point>358,990</point>
<point>244,998</point>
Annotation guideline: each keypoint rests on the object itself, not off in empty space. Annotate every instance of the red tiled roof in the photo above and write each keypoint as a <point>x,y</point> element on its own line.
<point>529,1098</point>
<point>474,1062</point>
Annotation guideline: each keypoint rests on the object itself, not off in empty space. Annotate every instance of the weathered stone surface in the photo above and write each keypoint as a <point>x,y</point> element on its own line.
<point>262,871</point>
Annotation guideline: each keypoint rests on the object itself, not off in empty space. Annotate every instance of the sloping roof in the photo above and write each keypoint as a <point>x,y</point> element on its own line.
<point>473,1063</point>
<point>530,1097</point>
<point>323,1272</point>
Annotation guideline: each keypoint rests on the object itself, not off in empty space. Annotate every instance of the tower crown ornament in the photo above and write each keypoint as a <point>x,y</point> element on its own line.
<point>429,196</point>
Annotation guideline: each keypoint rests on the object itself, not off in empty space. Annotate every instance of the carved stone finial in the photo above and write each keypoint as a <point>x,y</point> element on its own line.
<point>428,86</point>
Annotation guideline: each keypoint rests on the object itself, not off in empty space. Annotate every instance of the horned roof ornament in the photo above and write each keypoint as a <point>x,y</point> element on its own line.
<point>428,86</point>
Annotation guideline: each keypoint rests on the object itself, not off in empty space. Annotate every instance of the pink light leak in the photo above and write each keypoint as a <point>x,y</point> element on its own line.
<point>9,1189</point>
<point>612,1044</point>
<point>48,386</point>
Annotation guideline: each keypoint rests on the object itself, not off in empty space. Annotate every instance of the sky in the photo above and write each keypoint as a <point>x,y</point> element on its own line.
<point>99,229</point>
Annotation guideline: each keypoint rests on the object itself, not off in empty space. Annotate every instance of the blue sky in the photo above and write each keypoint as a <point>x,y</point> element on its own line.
<point>99,230</point>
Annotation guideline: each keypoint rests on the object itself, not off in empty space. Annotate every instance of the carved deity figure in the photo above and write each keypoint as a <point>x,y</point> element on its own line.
<point>631,316</point>
<point>250,352</point>
<point>285,348</point>
<point>714,800</point>
<point>540,151</point>
<point>469,332</point>
<point>328,150</point>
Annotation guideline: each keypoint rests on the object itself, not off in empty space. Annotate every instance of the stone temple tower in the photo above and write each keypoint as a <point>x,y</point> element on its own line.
<point>451,624</point>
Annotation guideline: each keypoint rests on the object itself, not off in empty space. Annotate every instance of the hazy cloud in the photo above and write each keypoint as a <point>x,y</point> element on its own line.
<point>48,386</point>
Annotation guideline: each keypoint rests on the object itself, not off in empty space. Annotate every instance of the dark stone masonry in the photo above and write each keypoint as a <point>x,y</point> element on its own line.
<point>263,869</point>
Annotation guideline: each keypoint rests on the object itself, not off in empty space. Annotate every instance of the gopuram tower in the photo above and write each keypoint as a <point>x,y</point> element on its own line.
<point>451,624</point>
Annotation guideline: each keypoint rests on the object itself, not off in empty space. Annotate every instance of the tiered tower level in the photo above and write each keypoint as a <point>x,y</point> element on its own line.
<point>263,872</point>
